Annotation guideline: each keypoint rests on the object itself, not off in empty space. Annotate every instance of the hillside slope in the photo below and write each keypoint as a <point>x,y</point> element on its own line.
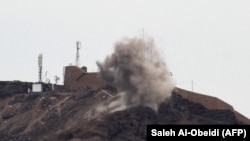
<point>70,115</point>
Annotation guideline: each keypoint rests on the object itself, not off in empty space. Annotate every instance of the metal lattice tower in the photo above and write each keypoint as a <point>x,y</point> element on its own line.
<point>40,67</point>
<point>78,46</point>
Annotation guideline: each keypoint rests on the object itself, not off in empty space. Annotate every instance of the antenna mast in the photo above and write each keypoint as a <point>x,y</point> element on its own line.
<point>40,67</point>
<point>56,79</point>
<point>78,46</point>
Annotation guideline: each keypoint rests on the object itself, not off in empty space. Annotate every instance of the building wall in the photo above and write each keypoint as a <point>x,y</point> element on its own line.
<point>77,78</point>
<point>210,102</point>
<point>37,87</point>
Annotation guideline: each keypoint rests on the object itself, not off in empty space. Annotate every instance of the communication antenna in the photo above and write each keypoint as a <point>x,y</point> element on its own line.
<point>56,79</point>
<point>45,78</point>
<point>78,46</point>
<point>45,75</point>
<point>40,67</point>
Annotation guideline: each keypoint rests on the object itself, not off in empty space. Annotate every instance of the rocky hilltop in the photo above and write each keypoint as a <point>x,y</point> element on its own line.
<point>65,114</point>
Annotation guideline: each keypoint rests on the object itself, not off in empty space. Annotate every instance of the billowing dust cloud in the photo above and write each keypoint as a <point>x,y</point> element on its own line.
<point>138,72</point>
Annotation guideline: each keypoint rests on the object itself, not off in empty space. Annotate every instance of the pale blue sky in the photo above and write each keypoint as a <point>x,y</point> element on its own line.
<point>205,41</point>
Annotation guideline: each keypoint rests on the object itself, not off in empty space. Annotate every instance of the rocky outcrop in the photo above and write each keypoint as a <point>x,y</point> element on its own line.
<point>9,88</point>
<point>66,114</point>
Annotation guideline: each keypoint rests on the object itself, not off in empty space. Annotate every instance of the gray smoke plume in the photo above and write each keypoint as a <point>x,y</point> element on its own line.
<point>138,72</point>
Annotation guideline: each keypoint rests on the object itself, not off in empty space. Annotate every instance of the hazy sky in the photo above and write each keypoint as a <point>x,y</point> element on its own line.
<point>204,41</point>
